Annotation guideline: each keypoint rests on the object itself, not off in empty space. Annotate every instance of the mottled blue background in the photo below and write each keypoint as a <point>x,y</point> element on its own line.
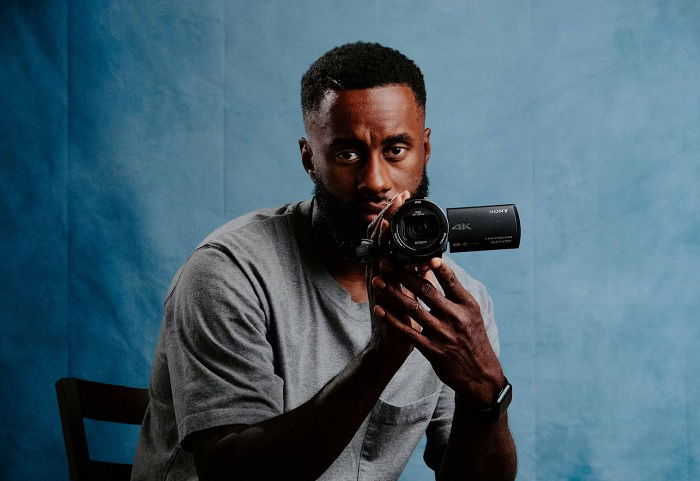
<point>129,130</point>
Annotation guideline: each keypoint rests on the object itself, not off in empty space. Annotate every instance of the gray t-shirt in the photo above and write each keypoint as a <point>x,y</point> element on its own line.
<point>254,326</point>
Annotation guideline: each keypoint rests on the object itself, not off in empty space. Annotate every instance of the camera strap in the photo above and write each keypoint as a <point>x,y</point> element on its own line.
<point>367,251</point>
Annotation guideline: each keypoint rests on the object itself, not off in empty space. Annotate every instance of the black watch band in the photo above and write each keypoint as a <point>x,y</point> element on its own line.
<point>499,406</point>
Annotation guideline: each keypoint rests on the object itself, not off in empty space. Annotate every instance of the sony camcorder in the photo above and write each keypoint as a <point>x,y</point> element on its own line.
<point>420,230</point>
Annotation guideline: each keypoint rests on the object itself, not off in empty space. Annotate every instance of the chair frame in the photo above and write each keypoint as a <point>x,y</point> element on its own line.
<point>80,399</point>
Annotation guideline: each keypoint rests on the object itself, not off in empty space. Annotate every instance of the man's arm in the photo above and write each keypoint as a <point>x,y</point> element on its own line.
<point>453,338</point>
<point>478,450</point>
<point>304,442</point>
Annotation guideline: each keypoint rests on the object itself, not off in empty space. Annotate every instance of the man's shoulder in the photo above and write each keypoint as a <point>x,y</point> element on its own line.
<point>265,238</point>
<point>260,222</point>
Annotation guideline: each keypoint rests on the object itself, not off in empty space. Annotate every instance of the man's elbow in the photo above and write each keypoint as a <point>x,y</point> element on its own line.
<point>215,451</point>
<point>226,454</point>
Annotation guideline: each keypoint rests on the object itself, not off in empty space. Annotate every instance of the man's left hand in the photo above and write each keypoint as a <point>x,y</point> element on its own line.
<point>453,336</point>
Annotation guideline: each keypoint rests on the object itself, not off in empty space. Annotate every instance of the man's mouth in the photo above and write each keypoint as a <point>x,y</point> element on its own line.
<point>371,207</point>
<point>370,210</point>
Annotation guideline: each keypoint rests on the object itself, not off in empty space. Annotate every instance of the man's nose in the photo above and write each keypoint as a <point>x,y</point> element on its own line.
<point>375,176</point>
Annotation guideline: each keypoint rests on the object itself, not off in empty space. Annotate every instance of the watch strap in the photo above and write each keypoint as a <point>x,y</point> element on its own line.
<point>498,407</point>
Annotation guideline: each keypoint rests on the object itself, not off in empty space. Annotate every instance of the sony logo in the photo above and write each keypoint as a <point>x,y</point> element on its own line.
<point>498,211</point>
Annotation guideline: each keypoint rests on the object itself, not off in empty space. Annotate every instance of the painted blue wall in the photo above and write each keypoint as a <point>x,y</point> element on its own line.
<point>129,130</point>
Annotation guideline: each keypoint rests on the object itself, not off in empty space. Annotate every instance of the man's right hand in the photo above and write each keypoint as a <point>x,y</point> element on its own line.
<point>383,337</point>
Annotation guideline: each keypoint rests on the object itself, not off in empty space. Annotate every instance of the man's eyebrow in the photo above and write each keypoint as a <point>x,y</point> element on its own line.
<point>345,142</point>
<point>397,139</point>
<point>402,138</point>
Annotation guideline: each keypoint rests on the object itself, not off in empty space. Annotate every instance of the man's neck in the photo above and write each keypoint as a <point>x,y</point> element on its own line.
<point>348,272</point>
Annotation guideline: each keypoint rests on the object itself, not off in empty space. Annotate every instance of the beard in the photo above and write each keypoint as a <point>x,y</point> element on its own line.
<point>343,220</point>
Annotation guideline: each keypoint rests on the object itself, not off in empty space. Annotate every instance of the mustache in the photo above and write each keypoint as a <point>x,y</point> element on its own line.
<point>354,204</point>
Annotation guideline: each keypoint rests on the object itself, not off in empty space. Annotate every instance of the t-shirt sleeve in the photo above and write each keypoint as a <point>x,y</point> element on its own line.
<point>438,431</point>
<point>220,362</point>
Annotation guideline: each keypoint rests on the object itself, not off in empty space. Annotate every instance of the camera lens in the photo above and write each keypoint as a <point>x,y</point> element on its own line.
<point>421,228</point>
<point>418,231</point>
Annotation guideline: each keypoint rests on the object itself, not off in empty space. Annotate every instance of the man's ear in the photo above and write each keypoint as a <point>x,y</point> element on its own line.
<point>306,155</point>
<point>426,144</point>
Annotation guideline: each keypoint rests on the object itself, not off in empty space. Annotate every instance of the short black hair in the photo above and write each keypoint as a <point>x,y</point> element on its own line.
<point>359,65</point>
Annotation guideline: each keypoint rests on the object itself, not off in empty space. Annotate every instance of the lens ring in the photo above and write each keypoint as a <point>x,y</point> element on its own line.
<point>419,228</point>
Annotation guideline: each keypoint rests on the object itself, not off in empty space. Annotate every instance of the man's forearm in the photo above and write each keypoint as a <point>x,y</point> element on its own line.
<point>306,440</point>
<point>478,450</point>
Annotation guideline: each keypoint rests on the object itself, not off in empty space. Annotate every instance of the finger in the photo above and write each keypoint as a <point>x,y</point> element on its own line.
<point>393,277</point>
<point>382,283</point>
<point>382,231</point>
<point>414,337</point>
<point>428,293</point>
<point>421,271</point>
<point>386,267</point>
<point>430,277</point>
<point>380,312</point>
<point>376,225</point>
<point>417,269</point>
<point>374,228</point>
<point>389,295</point>
<point>381,223</point>
<point>447,278</point>
<point>396,202</point>
<point>369,278</point>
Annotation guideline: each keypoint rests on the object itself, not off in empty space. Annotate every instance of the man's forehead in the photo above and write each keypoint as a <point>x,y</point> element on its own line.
<point>392,103</point>
<point>382,93</point>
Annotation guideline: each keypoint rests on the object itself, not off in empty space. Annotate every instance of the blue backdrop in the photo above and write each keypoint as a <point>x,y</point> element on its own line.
<point>129,130</point>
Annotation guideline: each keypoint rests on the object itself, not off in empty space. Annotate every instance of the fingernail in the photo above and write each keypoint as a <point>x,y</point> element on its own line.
<point>378,283</point>
<point>422,269</point>
<point>378,311</point>
<point>436,262</point>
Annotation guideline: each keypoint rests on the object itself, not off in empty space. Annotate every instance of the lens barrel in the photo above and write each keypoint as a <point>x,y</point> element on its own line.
<point>418,232</point>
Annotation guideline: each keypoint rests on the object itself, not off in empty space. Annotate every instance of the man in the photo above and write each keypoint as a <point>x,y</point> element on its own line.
<point>278,360</point>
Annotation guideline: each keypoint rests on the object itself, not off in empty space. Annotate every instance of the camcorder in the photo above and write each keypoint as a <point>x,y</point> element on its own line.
<point>420,230</point>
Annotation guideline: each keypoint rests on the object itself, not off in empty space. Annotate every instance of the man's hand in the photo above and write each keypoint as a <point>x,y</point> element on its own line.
<point>383,335</point>
<point>453,336</point>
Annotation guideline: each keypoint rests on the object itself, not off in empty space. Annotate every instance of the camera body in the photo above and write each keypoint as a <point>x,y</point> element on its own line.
<point>420,230</point>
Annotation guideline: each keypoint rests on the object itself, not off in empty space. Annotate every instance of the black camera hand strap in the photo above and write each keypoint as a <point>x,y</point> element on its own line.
<point>367,251</point>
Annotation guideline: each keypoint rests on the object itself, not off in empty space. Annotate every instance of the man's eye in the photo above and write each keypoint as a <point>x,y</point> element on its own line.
<point>396,151</point>
<point>347,156</point>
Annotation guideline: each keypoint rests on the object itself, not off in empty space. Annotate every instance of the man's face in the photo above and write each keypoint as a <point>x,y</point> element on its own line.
<point>365,146</point>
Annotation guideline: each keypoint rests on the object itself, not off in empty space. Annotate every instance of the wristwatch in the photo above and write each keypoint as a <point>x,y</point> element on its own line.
<point>499,406</point>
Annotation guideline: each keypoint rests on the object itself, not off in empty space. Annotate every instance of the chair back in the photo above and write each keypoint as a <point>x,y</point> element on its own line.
<point>79,399</point>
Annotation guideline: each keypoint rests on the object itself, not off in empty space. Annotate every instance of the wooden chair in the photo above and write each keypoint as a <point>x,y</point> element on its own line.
<point>79,399</point>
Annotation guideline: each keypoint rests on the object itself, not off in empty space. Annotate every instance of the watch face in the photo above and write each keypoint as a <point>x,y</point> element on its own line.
<point>499,406</point>
<point>504,399</point>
